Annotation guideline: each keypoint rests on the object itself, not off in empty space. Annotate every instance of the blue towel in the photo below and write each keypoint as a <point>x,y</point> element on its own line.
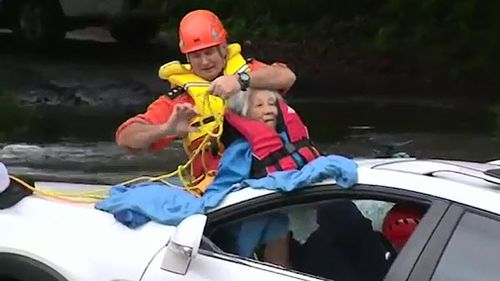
<point>134,206</point>
<point>342,169</point>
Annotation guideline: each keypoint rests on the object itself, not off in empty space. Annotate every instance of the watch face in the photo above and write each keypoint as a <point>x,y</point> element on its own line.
<point>244,76</point>
<point>244,80</point>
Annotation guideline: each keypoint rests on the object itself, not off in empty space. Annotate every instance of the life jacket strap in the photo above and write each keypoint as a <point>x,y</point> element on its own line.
<point>204,121</point>
<point>288,149</point>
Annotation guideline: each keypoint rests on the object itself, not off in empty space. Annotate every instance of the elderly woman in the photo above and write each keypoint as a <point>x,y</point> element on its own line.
<point>256,104</point>
<point>262,135</point>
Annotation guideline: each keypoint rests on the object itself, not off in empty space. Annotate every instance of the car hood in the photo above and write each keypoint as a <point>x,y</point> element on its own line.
<point>77,240</point>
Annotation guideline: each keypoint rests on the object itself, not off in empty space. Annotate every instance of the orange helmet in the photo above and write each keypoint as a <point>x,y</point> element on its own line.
<point>200,29</point>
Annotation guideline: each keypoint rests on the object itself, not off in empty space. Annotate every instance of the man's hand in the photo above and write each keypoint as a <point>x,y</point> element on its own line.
<point>225,86</point>
<point>179,123</point>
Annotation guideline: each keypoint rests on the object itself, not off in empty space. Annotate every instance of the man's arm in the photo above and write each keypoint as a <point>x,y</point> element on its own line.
<point>273,77</point>
<point>149,130</point>
<point>139,136</point>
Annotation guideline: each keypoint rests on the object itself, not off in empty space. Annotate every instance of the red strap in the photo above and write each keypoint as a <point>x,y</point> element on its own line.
<point>295,127</point>
<point>287,163</point>
<point>308,154</point>
<point>271,169</point>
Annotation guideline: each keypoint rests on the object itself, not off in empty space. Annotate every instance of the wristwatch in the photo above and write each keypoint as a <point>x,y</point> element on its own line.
<point>244,80</point>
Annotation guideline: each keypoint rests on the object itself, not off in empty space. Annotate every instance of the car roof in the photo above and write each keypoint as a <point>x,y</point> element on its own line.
<point>469,183</point>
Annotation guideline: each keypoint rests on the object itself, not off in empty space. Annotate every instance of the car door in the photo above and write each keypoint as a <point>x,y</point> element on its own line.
<point>182,259</point>
<point>303,213</point>
<point>466,246</point>
<point>213,266</point>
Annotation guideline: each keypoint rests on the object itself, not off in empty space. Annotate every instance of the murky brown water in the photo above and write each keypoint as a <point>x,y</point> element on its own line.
<point>86,92</point>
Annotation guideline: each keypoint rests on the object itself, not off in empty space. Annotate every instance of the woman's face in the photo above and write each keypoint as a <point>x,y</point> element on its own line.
<point>263,107</point>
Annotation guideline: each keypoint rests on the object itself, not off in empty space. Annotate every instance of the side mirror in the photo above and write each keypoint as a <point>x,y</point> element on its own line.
<point>184,244</point>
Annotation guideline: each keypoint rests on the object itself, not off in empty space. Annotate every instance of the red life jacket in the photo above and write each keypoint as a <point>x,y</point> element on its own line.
<point>269,151</point>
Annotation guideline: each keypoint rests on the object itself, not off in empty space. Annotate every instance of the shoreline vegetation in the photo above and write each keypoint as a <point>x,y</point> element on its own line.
<point>439,47</point>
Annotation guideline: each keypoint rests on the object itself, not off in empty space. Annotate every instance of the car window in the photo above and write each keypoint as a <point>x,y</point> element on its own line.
<point>375,210</point>
<point>472,252</point>
<point>208,245</point>
<point>340,239</point>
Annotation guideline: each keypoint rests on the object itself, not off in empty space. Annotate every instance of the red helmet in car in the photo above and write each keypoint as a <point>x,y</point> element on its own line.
<point>400,222</point>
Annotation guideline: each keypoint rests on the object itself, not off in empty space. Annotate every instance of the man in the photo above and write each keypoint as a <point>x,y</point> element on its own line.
<point>194,106</point>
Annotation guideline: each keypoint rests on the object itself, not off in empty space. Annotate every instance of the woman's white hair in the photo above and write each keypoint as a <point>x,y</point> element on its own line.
<point>240,102</point>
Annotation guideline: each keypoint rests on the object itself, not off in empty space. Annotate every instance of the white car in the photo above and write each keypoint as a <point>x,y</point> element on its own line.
<point>458,238</point>
<point>42,22</point>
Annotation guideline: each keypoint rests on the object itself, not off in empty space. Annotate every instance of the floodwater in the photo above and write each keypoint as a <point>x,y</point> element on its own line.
<point>71,141</point>
<point>85,150</point>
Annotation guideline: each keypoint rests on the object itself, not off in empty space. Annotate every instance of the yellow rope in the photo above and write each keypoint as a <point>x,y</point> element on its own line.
<point>96,195</point>
<point>100,194</point>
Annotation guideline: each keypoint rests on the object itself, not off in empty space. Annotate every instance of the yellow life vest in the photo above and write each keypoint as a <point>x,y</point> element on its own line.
<point>211,108</point>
